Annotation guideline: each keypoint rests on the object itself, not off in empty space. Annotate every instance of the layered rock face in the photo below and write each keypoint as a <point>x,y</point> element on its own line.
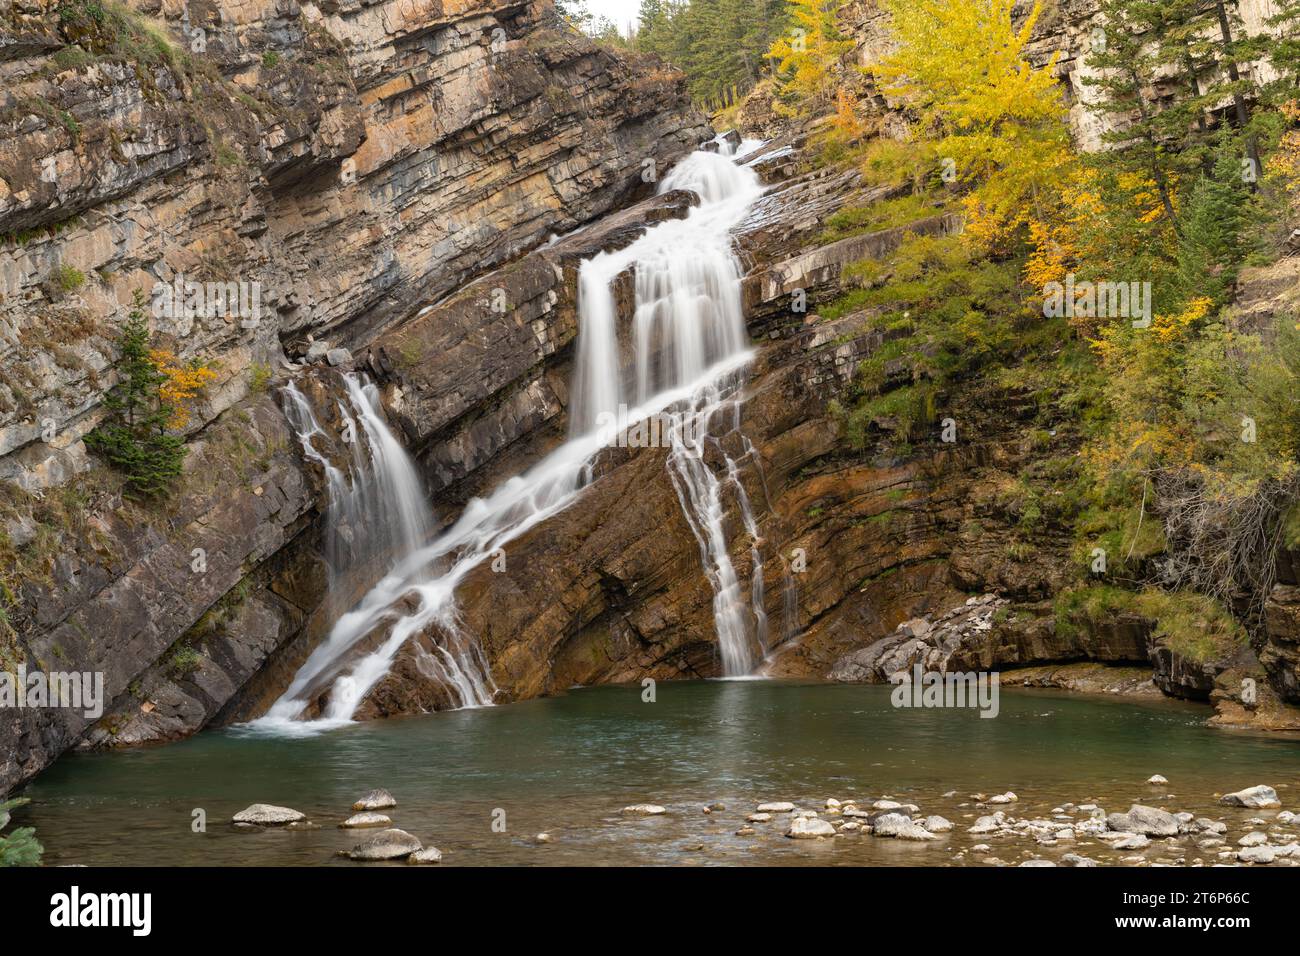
<point>339,166</point>
<point>350,162</point>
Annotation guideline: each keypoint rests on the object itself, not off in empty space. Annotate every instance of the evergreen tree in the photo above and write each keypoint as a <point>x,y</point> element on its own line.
<point>134,438</point>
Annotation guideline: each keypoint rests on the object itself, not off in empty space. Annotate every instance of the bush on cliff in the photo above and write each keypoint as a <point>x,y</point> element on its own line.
<point>19,848</point>
<point>148,400</point>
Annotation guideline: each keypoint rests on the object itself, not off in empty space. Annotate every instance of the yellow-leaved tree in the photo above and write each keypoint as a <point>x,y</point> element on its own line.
<point>1000,124</point>
<point>809,53</point>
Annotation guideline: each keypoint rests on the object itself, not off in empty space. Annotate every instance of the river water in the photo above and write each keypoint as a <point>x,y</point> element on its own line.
<point>567,766</point>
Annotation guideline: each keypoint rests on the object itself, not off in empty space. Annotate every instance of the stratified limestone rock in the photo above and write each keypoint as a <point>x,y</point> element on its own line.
<point>351,163</point>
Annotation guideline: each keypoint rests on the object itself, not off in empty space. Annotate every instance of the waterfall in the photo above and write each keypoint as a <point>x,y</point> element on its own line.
<point>690,348</point>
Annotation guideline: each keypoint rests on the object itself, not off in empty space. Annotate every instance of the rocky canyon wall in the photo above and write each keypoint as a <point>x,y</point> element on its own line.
<point>344,165</point>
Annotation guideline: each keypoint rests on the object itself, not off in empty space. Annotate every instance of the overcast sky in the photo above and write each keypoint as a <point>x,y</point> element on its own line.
<point>621,12</point>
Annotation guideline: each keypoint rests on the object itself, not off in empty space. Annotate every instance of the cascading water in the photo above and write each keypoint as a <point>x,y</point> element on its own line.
<point>690,348</point>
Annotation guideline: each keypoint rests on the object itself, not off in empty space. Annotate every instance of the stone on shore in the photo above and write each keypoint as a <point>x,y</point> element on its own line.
<point>1257,798</point>
<point>268,815</point>
<point>375,800</point>
<point>386,845</point>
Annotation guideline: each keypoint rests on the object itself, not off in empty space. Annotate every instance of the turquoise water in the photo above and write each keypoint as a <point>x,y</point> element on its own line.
<point>567,765</point>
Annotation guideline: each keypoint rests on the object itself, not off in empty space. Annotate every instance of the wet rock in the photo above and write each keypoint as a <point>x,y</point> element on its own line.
<point>543,838</point>
<point>428,855</point>
<point>386,845</point>
<point>375,800</point>
<point>833,804</point>
<point>1074,859</point>
<point>937,824</point>
<point>782,807</point>
<point>1003,798</point>
<point>900,827</point>
<point>1038,863</point>
<point>745,831</point>
<point>338,357</point>
<point>809,828</point>
<point>265,814</point>
<point>359,820</point>
<point>759,817</point>
<point>1253,839</point>
<point>989,824</point>
<point>1149,821</point>
<point>1257,854</point>
<point>1257,798</point>
<point>1156,780</point>
<point>643,810</point>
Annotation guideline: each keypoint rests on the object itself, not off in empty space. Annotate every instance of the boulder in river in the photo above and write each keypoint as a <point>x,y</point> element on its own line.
<point>430,854</point>
<point>781,807</point>
<point>643,810</point>
<point>386,845</point>
<point>809,828</point>
<point>375,800</point>
<point>1257,854</point>
<point>1148,821</point>
<point>268,815</point>
<point>1257,798</point>
<point>368,819</point>
<point>937,824</point>
<point>1156,780</point>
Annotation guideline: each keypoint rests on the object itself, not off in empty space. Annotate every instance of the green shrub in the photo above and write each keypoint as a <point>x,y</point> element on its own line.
<point>134,437</point>
<point>19,848</point>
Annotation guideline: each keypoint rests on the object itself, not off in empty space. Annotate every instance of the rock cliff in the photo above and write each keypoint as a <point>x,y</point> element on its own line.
<point>335,167</point>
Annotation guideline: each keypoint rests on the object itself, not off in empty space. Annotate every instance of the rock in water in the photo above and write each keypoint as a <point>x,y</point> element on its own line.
<point>1257,854</point>
<point>900,827</point>
<point>937,824</point>
<point>643,810</point>
<point>375,800</point>
<point>1257,798</point>
<point>809,828</point>
<point>1156,780</point>
<point>428,855</point>
<point>358,820</point>
<point>386,845</point>
<point>1148,821</point>
<point>776,808</point>
<point>265,814</point>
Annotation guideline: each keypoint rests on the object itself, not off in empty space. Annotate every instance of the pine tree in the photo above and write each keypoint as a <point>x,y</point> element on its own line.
<point>134,438</point>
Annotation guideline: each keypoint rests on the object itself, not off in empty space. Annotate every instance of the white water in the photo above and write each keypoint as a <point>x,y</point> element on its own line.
<point>690,349</point>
